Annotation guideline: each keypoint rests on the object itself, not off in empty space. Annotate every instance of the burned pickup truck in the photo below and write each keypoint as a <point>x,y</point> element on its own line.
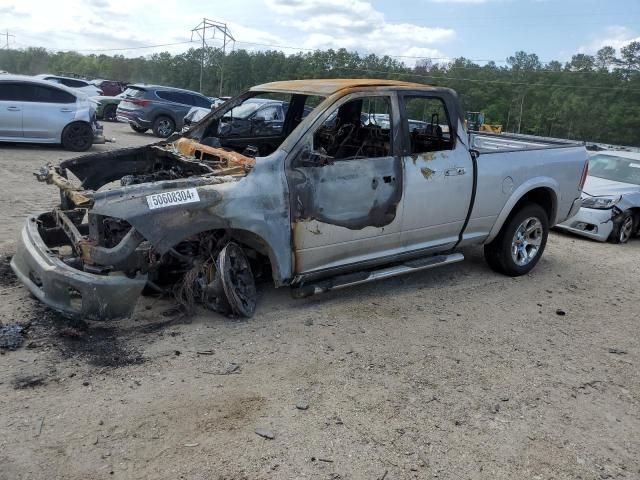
<point>361,180</point>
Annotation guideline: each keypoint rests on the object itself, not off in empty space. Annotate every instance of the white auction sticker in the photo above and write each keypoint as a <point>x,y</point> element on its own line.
<point>175,197</point>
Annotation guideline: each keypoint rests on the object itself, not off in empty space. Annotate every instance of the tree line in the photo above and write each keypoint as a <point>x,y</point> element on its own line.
<point>591,97</point>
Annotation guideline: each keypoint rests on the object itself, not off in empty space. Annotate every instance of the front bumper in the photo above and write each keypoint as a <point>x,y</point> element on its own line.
<point>591,223</point>
<point>72,292</point>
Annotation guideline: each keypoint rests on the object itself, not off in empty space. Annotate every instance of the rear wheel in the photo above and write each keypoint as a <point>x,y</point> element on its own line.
<point>163,126</point>
<point>521,242</point>
<point>135,128</point>
<point>77,137</point>
<point>623,227</point>
<point>109,113</point>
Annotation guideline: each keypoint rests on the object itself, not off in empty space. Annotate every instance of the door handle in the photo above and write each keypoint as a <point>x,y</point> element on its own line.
<point>13,109</point>
<point>66,110</point>
<point>455,171</point>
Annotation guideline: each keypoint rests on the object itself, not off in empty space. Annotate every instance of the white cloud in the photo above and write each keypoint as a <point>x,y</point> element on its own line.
<point>358,26</point>
<point>300,24</point>
<point>615,36</point>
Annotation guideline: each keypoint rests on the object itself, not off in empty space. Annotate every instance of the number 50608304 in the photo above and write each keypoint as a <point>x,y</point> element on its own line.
<point>174,197</point>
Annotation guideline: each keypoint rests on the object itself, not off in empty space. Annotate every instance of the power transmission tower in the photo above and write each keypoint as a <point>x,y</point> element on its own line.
<point>227,38</point>
<point>7,35</point>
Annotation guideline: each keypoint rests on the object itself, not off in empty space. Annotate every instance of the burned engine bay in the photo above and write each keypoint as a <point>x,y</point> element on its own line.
<point>211,269</point>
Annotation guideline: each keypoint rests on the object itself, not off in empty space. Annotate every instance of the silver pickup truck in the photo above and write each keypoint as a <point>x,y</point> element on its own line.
<point>354,180</point>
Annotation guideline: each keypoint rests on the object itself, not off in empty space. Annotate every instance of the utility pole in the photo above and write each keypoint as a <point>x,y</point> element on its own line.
<point>7,35</point>
<point>524,94</point>
<point>201,31</point>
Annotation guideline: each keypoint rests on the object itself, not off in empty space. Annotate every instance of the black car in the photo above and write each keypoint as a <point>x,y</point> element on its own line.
<point>257,116</point>
<point>160,108</point>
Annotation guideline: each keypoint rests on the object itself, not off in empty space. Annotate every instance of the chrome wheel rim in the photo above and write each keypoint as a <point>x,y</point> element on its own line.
<point>164,127</point>
<point>625,230</point>
<point>526,241</point>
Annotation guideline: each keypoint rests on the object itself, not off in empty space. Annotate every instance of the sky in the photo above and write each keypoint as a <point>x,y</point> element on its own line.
<point>407,29</point>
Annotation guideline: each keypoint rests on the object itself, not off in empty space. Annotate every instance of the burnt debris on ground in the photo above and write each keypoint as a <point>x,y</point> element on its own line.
<point>101,346</point>
<point>12,336</point>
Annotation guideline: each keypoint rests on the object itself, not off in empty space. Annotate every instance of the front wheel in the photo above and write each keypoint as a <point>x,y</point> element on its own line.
<point>521,242</point>
<point>623,227</point>
<point>77,137</point>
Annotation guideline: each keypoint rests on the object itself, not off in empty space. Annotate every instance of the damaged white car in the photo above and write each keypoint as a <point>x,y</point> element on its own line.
<point>610,200</point>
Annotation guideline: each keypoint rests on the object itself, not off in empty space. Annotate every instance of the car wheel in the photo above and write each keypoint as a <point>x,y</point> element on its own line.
<point>623,227</point>
<point>163,126</point>
<point>521,242</point>
<point>77,137</point>
<point>137,129</point>
<point>237,280</point>
<point>109,113</point>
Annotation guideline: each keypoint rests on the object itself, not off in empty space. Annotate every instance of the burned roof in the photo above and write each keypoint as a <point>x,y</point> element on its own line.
<point>329,86</point>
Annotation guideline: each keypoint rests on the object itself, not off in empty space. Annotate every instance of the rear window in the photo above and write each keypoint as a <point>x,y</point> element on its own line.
<point>69,82</point>
<point>176,97</point>
<point>202,102</point>
<point>134,92</point>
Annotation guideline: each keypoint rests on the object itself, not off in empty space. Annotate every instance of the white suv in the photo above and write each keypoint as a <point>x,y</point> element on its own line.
<point>82,85</point>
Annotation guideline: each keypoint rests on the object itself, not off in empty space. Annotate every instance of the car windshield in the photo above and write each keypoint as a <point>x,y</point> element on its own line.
<point>618,169</point>
<point>244,110</point>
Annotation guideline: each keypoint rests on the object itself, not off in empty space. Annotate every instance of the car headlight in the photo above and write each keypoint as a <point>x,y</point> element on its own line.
<point>601,203</point>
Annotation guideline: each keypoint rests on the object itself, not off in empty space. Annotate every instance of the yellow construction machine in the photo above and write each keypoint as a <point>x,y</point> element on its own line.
<point>475,122</point>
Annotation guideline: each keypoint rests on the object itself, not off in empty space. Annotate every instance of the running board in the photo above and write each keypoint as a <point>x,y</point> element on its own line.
<point>350,279</point>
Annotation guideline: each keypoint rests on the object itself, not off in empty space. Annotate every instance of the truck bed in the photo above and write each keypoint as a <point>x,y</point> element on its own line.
<point>492,143</point>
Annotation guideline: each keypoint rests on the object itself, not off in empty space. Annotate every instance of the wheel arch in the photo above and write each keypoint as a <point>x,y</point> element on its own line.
<point>256,241</point>
<point>544,192</point>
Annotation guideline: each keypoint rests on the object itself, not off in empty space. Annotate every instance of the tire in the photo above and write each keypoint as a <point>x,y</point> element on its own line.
<point>138,129</point>
<point>623,228</point>
<point>163,126</point>
<point>109,113</point>
<point>77,137</point>
<point>520,243</point>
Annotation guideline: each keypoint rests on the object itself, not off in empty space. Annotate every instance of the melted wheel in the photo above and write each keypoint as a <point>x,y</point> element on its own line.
<point>237,280</point>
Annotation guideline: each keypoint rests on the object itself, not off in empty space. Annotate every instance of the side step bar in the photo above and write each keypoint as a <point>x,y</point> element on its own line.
<point>350,279</point>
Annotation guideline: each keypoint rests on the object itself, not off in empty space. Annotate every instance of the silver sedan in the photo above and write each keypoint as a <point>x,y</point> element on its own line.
<point>36,111</point>
<point>610,199</point>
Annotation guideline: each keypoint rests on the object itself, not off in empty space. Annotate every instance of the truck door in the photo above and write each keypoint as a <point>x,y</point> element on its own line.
<point>346,185</point>
<point>438,173</point>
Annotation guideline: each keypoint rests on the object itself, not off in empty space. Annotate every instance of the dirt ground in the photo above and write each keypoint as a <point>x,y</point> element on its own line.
<point>455,373</point>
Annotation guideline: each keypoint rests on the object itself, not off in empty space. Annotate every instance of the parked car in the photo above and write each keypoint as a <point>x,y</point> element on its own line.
<point>37,111</point>
<point>109,87</point>
<point>193,116</point>
<point>316,204</point>
<point>108,106</point>
<point>160,108</point>
<point>73,83</point>
<point>610,200</point>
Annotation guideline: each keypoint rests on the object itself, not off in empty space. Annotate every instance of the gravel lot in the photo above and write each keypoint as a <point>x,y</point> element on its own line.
<point>455,373</point>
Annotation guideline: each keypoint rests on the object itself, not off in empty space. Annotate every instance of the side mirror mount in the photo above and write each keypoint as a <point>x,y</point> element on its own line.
<point>310,158</point>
